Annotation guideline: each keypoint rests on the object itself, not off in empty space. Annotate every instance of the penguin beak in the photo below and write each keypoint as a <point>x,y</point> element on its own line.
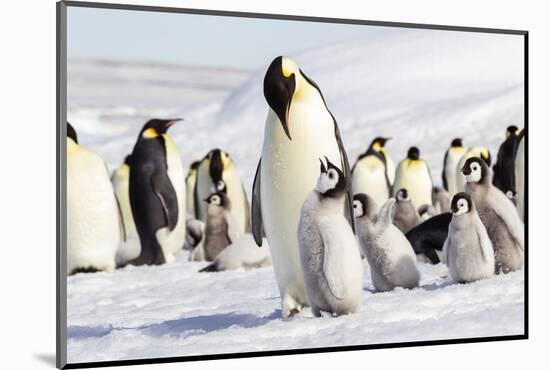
<point>454,208</point>
<point>323,168</point>
<point>466,170</point>
<point>278,92</point>
<point>171,122</point>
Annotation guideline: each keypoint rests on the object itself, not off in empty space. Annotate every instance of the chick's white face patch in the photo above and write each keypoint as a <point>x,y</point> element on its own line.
<point>475,174</point>
<point>462,206</point>
<point>358,209</point>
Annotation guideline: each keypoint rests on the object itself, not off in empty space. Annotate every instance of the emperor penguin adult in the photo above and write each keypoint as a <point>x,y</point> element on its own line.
<point>190,181</point>
<point>519,168</point>
<point>218,172</point>
<point>498,215</point>
<point>371,172</point>
<point>476,151</point>
<point>391,258</point>
<point>299,130</point>
<point>450,161</point>
<point>504,167</point>
<point>157,194</point>
<point>413,174</point>
<point>467,252</point>
<point>93,220</point>
<point>329,253</point>
<point>129,249</point>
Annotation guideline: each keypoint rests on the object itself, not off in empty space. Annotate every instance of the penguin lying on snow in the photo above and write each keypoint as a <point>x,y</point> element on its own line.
<point>414,175</point>
<point>427,239</point>
<point>498,215</point>
<point>94,225</point>
<point>391,258</point>
<point>467,252</point>
<point>157,194</point>
<point>329,253</point>
<point>405,216</point>
<point>221,227</point>
<point>243,253</point>
<point>299,129</point>
<point>371,172</point>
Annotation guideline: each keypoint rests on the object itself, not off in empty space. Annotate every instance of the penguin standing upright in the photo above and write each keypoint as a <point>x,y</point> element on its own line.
<point>414,175</point>
<point>452,157</point>
<point>520,175</point>
<point>129,249</point>
<point>370,173</point>
<point>498,215</point>
<point>504,168</point>
<point>329,253</point>
<point>299,130</point>
<point>157,194</point>
<point>93,218</point>
<point>218,172</point>
<point>221,227</point>
<point>476,151</point>
<point>391,258</point>
<point>441,199</point>
<point>190,181</point>
<point>467,252</point>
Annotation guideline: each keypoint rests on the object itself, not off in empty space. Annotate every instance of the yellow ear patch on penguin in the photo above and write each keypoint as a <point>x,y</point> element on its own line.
<point>485,154</point>
<point>376,146</point>
<point>150,133</point>
<point>289,67</point>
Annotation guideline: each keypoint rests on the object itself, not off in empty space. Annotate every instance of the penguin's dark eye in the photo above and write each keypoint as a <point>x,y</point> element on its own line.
<point>331,175</point>
<point>355,206</point>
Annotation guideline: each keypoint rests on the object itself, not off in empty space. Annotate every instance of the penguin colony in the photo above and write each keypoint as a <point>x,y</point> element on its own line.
<point>312,222</point>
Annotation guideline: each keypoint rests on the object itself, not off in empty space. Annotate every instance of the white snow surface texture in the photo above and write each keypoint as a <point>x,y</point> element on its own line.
<point>420,87</point>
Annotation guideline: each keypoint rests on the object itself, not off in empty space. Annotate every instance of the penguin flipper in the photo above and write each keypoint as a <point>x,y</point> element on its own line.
<point>443,177</point>
<point>484,241</point>
<point>385,215</point>
<point>347,174</point>
<point>164,190</point>
<point>247,220</point>
<point>257,221</point>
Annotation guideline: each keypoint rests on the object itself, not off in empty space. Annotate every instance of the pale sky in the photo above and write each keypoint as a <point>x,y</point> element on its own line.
<point>196,39</point>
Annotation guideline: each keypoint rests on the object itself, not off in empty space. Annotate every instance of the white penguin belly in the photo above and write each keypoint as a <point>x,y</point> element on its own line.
<point>290,169</point>
<point>371,179</point>
<point>418,183</point>
<point>172,242</point>
<point>190,196</point>
<point>93,229</point>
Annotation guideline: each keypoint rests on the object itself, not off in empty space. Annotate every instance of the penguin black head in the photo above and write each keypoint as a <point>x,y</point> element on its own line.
<point>379,142</point>
<point>331,182</point>
<point>461,203</point>
<point>279,87</point>
<point>475,170</point>
<point>363,205</point>
<point>218,199</point>
<point>402,195</point>
<point>71,132</point>
<point>128,159</point>
<point>413,153</point>
<point>217,165</point>
<point>155,127</point>
<point>456,143</point>
<point>194,165</point>
<point>512,130</point>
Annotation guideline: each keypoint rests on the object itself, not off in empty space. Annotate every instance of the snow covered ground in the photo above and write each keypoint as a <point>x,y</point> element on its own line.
<point>420,87</point>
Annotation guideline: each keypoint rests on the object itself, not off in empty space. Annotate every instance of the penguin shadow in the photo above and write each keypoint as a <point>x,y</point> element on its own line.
<point>438,284</point>
<point>190,326</point>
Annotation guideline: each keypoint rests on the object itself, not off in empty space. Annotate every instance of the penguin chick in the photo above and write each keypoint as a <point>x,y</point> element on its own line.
<point>221,228</point>
<point>405,216</point>
<point>243,253</point>
<point>329,253</point>
<point>467,252</point>
<point>427,211</point>
<point>498,215</point>
<point>391,257</point>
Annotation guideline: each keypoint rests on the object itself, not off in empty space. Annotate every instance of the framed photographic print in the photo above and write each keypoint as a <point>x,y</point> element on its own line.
<point>235,184</point>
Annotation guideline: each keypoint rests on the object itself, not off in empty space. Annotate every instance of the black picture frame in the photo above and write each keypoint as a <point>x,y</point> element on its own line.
<point>61,118</point>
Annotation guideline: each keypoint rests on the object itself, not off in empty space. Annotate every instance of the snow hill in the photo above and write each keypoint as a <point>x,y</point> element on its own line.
<point>420,87</point>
